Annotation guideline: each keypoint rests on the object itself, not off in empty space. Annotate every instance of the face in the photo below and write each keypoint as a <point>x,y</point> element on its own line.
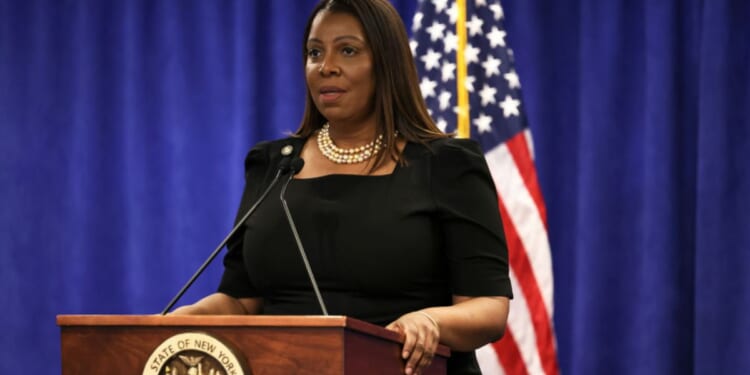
<point>339,68</point>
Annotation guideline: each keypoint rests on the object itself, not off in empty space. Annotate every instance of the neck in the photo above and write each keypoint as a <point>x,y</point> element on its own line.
<point>352,135</point>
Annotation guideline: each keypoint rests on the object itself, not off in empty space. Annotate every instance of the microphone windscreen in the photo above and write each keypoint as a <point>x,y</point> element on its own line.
<point>284,165</point>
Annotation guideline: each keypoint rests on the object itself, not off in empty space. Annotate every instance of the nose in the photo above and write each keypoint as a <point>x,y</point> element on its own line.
<point>329,67</point>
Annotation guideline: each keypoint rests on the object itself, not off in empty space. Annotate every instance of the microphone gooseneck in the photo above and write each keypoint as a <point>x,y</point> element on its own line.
<point>284,167</point>
<point>295,166</point>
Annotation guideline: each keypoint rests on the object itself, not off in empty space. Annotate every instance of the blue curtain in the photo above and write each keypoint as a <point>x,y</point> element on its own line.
<point>641,116</point>
<point>123,128</point>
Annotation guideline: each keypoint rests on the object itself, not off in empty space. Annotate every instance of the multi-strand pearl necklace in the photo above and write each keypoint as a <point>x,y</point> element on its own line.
<point>347,155</point>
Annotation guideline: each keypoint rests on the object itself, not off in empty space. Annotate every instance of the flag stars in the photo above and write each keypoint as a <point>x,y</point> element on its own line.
<point>469,83</point>
<point>510,106</point>
<point>427,87</point>
<point>471,54</point>
<point>441,124</point>
<point>450,42</point>
<point>496,37</point>
<point>491,66</point>
<point>487,95</point>
<point>413,44</point>
<point>489,72</point>
<point>483,123</point>
<point>440,5</point>
<point>431,59</point>
<point>448,70</point>
<point>475,25</point>
<point>512,78</point>
<point>445,100</point>
<point>453,12</point>
<point>436,31</point>
<point>416,23</point>
<point>497,11</point>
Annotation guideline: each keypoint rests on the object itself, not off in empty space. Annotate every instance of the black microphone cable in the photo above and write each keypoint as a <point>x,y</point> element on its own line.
<point>296,166</point>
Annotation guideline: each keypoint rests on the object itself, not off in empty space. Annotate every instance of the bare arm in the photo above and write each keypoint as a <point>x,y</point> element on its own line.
<point>222,304</point>
<point>471,322</point>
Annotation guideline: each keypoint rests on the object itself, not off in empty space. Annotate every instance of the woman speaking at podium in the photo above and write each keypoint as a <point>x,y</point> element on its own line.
<point>399,220</point>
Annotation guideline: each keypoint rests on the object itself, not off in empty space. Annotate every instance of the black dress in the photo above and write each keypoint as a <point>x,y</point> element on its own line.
<point>379,246</point>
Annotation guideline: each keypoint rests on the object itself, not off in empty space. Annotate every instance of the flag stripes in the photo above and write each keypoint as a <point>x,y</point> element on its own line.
<point>519,149</point>
<point>523,232</point>
<point>512,360</point>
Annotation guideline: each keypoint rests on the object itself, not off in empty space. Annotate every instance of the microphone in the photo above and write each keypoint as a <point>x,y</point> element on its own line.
<point>284,167</point>
<point>296,166</point>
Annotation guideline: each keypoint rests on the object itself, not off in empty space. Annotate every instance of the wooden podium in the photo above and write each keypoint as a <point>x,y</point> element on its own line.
<point>319,345</point>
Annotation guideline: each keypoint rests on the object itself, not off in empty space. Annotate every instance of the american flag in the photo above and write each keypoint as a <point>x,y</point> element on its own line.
<point>470,86</point>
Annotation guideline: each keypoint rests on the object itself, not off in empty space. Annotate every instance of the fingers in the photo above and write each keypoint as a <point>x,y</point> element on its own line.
<point>394,327</point>
<point>421,356</point>
<point>409,340</point>
<point>421,338</point>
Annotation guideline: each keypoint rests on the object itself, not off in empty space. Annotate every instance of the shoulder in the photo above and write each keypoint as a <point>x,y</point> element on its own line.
<point>453,151</point>
<point>266,152</point>
<point>456,147</point>
<point>457,161</point>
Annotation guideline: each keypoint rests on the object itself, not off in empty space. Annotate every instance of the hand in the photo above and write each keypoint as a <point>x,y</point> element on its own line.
<point>421,337</point>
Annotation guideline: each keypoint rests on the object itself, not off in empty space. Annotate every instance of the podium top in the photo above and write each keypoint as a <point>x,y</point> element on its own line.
<point>311,321</point>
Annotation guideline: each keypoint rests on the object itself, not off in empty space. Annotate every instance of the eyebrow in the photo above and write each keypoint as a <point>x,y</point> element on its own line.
<point>338,38</point>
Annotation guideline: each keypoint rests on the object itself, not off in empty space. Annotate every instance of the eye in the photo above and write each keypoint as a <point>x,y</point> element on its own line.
<point>349,51</point>
<point>313,53</point>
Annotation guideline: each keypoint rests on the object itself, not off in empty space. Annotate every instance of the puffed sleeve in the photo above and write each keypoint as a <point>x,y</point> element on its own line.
<point>468,212</point>
<point>235,281</point>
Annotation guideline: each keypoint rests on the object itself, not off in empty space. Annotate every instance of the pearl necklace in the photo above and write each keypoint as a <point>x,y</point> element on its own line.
<point>347,155</point>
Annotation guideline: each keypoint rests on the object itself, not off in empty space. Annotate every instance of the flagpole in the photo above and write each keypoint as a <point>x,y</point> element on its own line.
<point>463,128</point>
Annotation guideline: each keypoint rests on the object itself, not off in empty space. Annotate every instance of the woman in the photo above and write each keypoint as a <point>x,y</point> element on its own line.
<point>400,221</point>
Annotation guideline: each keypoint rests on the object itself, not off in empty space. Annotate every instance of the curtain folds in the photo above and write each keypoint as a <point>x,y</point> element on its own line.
<point>124,125</point>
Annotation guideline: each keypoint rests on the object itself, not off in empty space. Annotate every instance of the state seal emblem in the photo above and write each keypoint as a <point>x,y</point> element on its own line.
<point>193,354</point>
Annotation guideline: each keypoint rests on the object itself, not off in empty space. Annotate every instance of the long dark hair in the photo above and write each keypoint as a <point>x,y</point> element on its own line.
<point>398,100</point>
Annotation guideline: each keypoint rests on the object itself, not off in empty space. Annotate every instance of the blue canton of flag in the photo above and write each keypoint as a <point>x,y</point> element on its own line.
<point>492,82</point>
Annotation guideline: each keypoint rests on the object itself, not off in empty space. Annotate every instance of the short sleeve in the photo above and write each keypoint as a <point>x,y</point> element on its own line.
<point>469,216</point>
<point>235,281</point>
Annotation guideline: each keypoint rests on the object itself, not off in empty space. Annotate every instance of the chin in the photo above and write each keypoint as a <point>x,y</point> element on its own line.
<point>335,116</point>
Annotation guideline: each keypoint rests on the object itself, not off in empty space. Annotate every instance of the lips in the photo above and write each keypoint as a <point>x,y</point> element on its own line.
<point>330,93</point>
